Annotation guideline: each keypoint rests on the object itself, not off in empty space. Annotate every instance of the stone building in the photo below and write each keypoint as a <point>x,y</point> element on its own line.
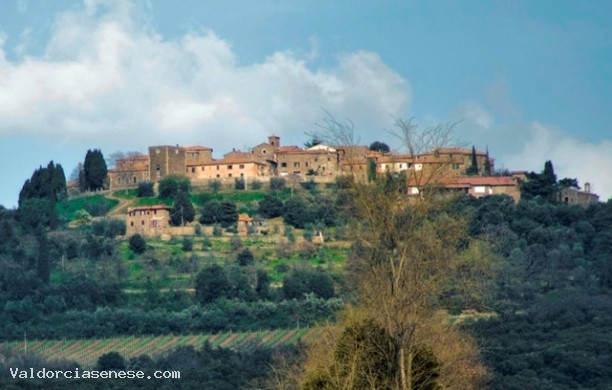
<point>574,196</point>
<point>166,160</point>
<point>148,220</point>
<point>128,172</point>
<point>320,160</point>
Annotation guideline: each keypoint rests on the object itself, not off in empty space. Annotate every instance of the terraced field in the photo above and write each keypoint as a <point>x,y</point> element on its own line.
<point>86,352</point>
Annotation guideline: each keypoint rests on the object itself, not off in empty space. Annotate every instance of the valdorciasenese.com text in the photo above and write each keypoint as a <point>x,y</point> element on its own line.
<point>43,373</point>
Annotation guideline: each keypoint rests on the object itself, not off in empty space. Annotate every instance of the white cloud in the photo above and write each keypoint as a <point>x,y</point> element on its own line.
<point>105,71</point>
<point>588,162</point>
<point>522,146</point>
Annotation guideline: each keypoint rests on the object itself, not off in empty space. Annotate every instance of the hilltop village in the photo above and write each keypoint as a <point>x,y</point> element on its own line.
<point>456,170</point>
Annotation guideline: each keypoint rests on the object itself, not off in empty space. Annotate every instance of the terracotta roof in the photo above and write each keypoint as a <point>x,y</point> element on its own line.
<point>154,207</point>
<point>194,148</point>
<point>470,181</point>
<point>456,150</point>
<point>282,149</point>
<point>231,160</point>
<point>244,218</point>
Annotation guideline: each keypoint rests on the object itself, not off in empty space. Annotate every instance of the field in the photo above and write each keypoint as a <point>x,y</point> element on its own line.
<point>86,352</point>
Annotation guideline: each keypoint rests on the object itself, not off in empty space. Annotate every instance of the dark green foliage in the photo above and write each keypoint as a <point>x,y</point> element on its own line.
<point>182,210</point>
<point>211,284</point>
<point>245,257</point>
<point>379,147</point>
<point>46,183</point>
<point>94,171</point>
<point>372,170</point>
<point>488,171</point>
<point>145,189</point>
<point>108,227</point>
<point>313,142</point>
<point>138,244</point>
<point>37,211</point>
<point>224,213</point>
<point>543,185</point>
<point>214,185</point>
<point>472,170</point>
<point>255,185</point>
<point>271,207</point>
<point>277,183</point>
<point>111,361</point>
<point>170,186</point>
<point>300,211</point>
<point>239,184</point>
<point>568,183</point>
<point>187,244</point>
<point>309,185</point>
<point>43,266</point>
<point>305,281</point>
<point>263,284</point>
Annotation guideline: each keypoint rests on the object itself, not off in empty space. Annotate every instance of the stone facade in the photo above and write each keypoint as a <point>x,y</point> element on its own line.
<point>151,221</point>
<point>166,160</point>
<point>574,196</point>
<point>129,171</point>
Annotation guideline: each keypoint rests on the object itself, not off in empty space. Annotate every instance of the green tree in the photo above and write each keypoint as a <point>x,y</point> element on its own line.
<point>182,210</point>
<point>94,170</point>
<point>472,170</point>
<point>137,244</point>
<point>372,174</point>
<point>271,207</point>
<point>145,189</point>
<point>43,266</point>
<point>245,257</point>
<point>211,283</point>
<point>379,147</point>
<point>171,185</point>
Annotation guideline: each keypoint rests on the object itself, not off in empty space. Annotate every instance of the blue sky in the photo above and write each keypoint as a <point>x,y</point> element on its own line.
<point>530,80</point>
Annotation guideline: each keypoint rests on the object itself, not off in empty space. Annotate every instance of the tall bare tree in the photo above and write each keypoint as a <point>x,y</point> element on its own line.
<point>408,252</point>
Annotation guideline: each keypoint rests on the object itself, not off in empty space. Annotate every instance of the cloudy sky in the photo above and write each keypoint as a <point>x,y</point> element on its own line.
<point>530,80</point>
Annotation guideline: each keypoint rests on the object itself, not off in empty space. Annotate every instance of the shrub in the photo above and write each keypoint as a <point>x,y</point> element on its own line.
<point>145,189</point>
<point>245,257</point>
<point>271,207</point>
<point>214,185</point>
<point>137,244</point>
<point>197,229</point>
<point>170,186</point>
<point>239,184</point>
<point>217,231</point>
<point>187,244</point>
<point>256,185</point>
<point>277,183</point>
<point>110,361</point>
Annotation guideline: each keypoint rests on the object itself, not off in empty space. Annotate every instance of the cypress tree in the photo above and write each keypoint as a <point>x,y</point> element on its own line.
<point>95,170</point>
<point>473,169</point>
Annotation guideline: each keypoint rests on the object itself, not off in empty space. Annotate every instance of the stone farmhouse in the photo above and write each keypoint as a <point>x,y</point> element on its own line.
<point>148,220</point>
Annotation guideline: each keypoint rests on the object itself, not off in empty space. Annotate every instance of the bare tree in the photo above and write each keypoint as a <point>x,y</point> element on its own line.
<point>407,252</point>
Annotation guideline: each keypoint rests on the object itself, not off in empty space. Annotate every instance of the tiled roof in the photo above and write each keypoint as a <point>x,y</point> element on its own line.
<point>144,208</point>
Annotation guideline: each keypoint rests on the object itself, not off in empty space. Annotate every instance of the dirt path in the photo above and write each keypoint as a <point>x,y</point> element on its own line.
<point>122,207</point>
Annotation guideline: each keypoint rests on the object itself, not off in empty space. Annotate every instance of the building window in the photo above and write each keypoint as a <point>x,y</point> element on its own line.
<point>202,169</point>
<point>193,169</point>
<point>142,222</point>
<point>306,164</point>
<point>132,223</point>
<point>455,166</point>
<point>229,167</point>
<point>218,175</point>
<point>242,175</point>
<point>296,164</point>
<point>283,165</point>
<point>241,166</point>
<point>217,168</point>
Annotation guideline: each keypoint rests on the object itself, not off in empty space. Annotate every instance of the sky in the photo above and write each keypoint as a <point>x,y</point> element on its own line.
<point>529,80</point>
